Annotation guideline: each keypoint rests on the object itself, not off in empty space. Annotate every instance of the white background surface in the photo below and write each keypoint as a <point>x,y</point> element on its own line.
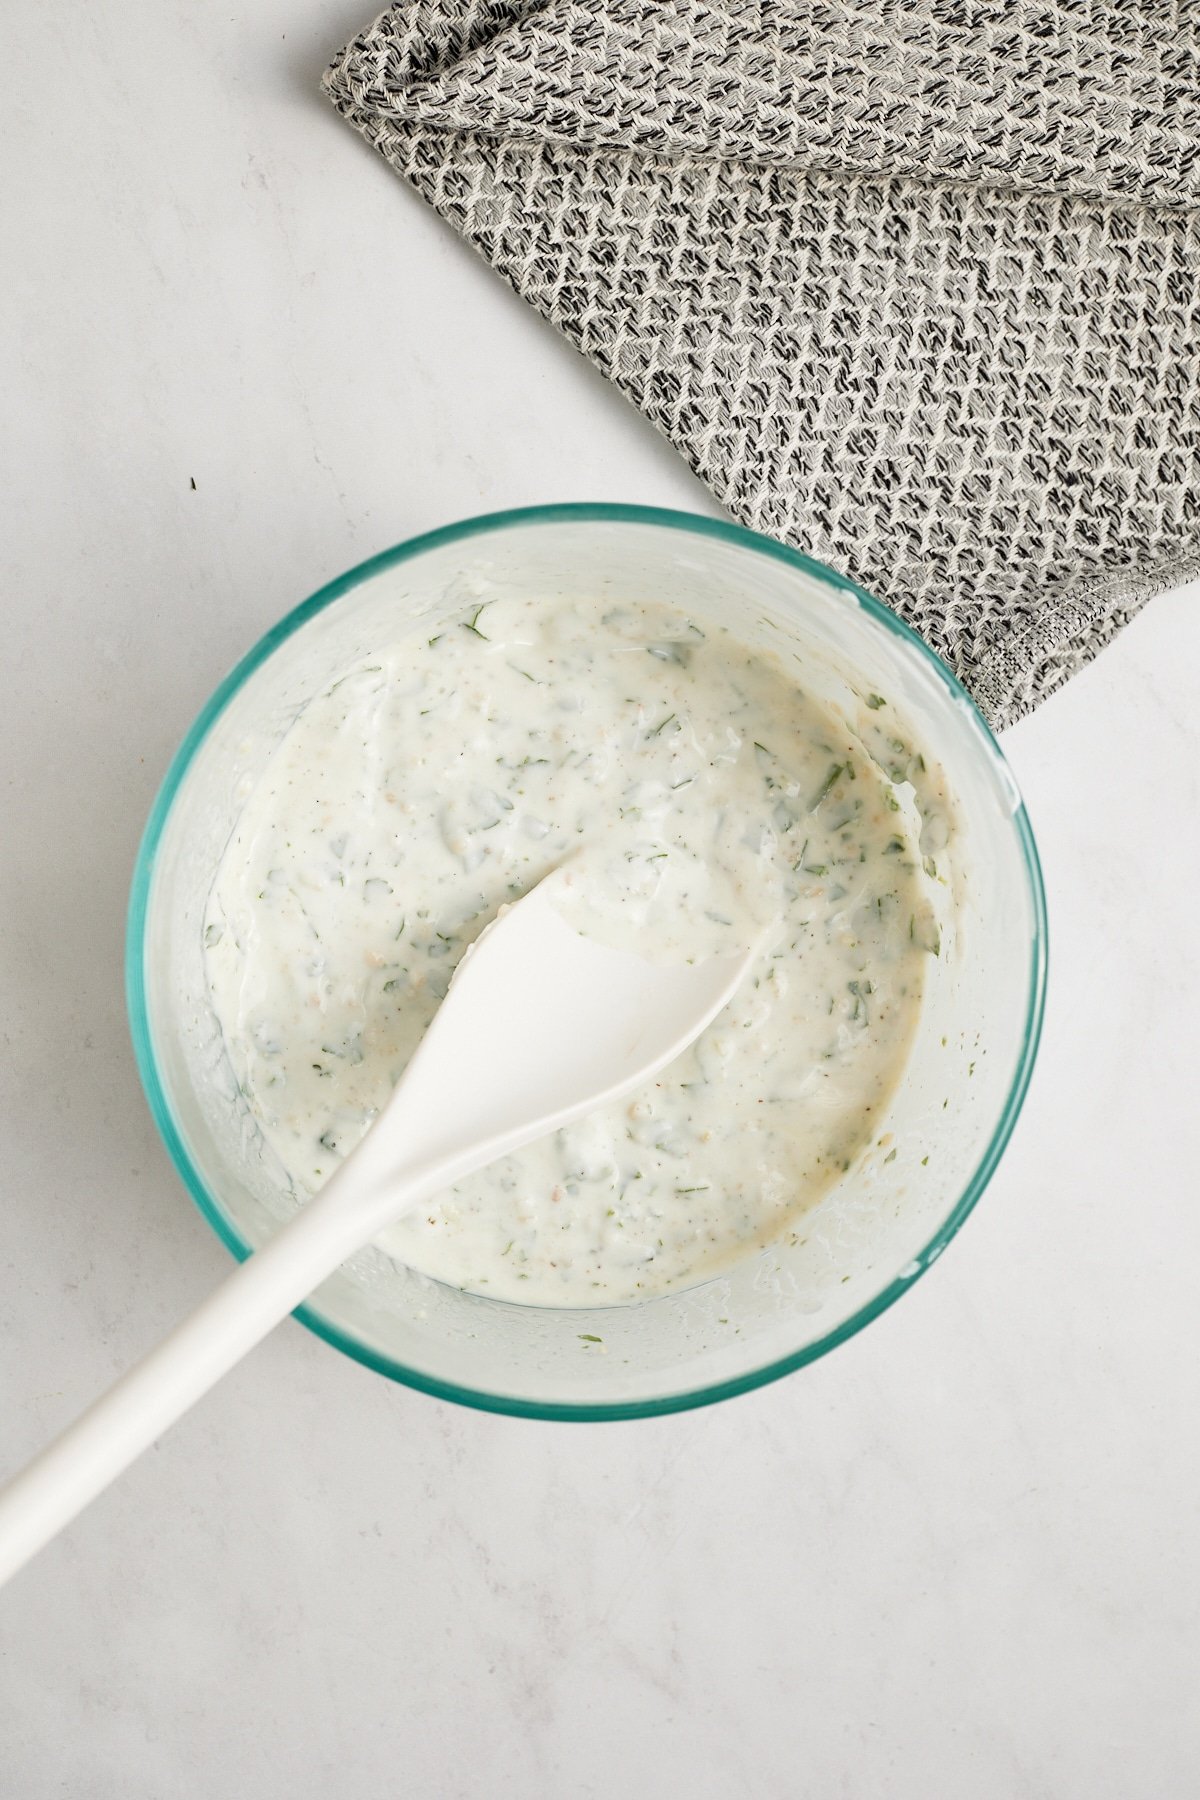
<point>959,1557</point>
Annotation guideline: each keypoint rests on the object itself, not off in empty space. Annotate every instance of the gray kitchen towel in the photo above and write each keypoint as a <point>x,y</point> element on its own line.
<point>914,286</point>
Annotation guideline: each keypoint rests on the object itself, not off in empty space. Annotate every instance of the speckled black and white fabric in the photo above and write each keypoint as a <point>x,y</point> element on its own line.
<point>913,285</point>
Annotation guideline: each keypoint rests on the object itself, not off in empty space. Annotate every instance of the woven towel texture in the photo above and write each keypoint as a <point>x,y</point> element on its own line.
<point>914,286</point>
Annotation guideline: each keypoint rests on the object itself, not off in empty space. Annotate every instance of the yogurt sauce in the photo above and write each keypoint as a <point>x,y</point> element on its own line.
<point>703,797</point>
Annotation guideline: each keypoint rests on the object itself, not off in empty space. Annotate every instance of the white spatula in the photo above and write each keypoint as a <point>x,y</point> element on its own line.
<point>539,1026</point>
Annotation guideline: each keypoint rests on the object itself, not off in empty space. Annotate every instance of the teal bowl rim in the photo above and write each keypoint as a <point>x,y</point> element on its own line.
<point>135,990</point>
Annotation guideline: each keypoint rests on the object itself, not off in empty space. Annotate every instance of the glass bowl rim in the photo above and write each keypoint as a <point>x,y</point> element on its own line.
<point>586,512</point>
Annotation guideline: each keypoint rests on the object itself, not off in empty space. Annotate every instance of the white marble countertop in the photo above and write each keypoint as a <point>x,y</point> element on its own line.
<point>957,1557</point>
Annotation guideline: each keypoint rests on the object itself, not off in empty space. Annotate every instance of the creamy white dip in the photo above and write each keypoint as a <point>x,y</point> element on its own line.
<point>703,797</point>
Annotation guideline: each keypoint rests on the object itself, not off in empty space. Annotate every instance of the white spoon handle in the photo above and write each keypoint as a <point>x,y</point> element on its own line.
<point>540,1026</point>
<point>126,1420</point>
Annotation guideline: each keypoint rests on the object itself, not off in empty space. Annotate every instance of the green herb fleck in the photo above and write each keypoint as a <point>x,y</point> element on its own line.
<point>374,669</point>
<point>827,785</point>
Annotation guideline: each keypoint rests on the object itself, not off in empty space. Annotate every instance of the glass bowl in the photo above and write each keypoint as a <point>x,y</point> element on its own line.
<point>889,1217</point>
